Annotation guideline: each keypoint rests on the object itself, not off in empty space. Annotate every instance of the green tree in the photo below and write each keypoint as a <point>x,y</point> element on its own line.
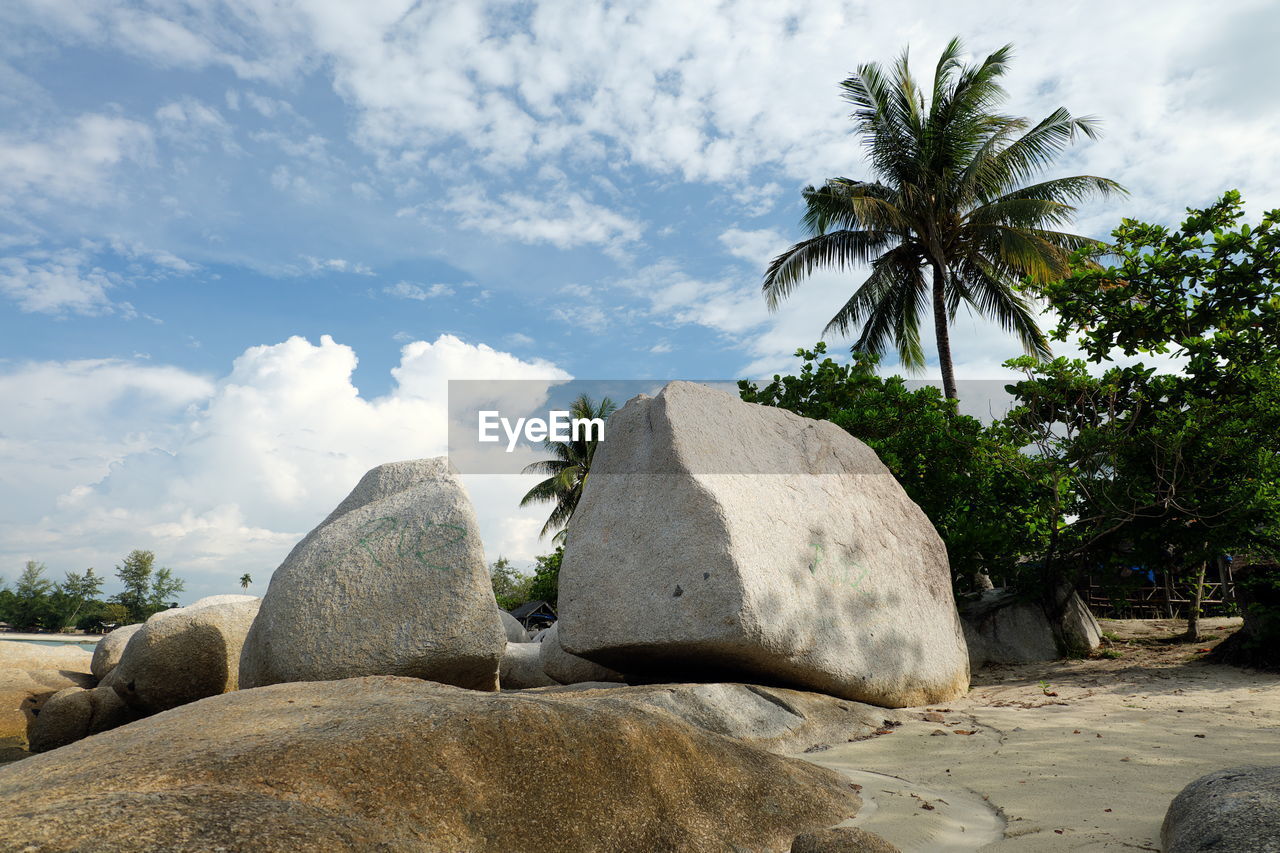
<point>147,589</point>
<point>948,218</point>
<point>32,606</point>
<point>510,587</point>
<point>1169,469</point>
<point>569,467</point>
<point>546,577</point>
<point>245,580</point>
<point>79,590</point>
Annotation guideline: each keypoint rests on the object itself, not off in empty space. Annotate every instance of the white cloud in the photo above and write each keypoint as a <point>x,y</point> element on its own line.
<point>71,163</point>
<point>61,283</point>
<point>409,290</point>
<point>222,478</point>
<point>564,220</point>
<point>323,265</point>
<point>757,247</point>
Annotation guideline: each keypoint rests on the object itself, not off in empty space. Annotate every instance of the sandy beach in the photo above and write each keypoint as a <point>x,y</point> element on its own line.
<point>1067,755</point>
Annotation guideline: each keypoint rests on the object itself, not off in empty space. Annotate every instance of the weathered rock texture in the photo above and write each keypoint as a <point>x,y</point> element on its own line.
<point>393,582</point>
<point>399,764</point>
<point>719,538</point>
<point>185,654</point>
<point>522,668</point>
<point>75,713</point>
<point>1000,627</point>
<point>1235,809</point>
<point>843,839</point>
<point>23,695</point>
<point>106,655</point>
<point>772,718</point>
<point>19,655</point>
<point>566,668</point>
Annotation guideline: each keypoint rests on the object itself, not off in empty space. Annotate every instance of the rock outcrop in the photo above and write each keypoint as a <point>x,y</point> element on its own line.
<point>393,582</point>
<point>392,763</point>
<point>1001,627</point>
<point>514,630</point>
<point>717,539</point>
<point>1236,809</point>
<point>184,654</point>
<point>23,695</point>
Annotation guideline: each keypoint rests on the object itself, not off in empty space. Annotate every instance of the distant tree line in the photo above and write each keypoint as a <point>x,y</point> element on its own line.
<point>512,588</point>
<point>36,603</point>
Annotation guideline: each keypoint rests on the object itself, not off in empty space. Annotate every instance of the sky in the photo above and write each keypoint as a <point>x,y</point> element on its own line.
<point>244,245</point>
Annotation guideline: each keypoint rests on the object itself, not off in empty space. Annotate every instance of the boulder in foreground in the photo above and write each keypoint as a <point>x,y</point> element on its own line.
<point>184,654</point>
<point>1236,809</point>
<point>393,582</point>
<point>722,540</point>
<point>391,763</point>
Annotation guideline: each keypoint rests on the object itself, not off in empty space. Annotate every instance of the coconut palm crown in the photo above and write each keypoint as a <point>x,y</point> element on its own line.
<point>569,468</point>
<point>949,218</point>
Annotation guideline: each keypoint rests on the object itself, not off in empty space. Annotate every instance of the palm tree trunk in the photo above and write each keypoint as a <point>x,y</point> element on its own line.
<point>942,333</point>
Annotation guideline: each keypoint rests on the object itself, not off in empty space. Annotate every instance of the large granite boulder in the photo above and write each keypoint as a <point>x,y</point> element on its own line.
<point>1236,809</point>
<point>522,668</point>
<point>1002,627</point>
<point>393,582</point>
<point>106,655</point>
<point>722,539</point>
<point>566,668</point>
<point>399,764</point>
<point>76,713</point>
<point>184,654</point>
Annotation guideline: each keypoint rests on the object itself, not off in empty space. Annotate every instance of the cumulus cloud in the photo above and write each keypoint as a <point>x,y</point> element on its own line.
<point>222,477</point>
<point>564,219</point>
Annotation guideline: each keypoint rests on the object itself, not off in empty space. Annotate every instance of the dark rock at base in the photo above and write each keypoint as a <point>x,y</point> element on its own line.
<point>387,763</point>
<point>1236,809</point>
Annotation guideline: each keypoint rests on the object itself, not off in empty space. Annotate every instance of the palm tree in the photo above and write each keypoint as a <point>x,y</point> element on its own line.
<point>245,580</point>
<point>948,196</point>
<point>568,469</point>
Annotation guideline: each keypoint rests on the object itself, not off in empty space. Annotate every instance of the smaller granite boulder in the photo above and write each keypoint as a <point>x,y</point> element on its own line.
<point>515,631</point>
<point>75,713</point>
<point>566,668</point>
<point>179,656</point>
<point>1236,809</point>
<point>24,693</point>
<point>106,655</point>
<point>1001,627</point>
<point>522,668</point>
<point>29,656</point>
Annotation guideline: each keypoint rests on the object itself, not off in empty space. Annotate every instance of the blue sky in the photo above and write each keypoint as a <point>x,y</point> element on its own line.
<point>245,244</point>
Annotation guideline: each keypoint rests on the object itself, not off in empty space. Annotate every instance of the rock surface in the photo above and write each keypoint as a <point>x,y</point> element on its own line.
<point>1236,809</point>
<point>106,655</point>
<point>75,713</point>
<point>15,654</point>
<point>23,694</point>
<point>515,631</point>
<point>391,763</point>
<point>717,538</point>
<point>842,839</point>
<point>566,668</point>
<point>1000,627</point>
<point>772,718</point>
<point>393,582</point>
<point>522,668</point>
<point>185,654</point>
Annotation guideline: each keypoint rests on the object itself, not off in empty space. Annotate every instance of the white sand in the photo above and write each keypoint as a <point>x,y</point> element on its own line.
<point>1093,768</point>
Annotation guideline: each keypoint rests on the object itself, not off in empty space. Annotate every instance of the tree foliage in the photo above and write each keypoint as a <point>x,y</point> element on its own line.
<point>568,468</point>
<point>949,217</point>
<point>510,587</point>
